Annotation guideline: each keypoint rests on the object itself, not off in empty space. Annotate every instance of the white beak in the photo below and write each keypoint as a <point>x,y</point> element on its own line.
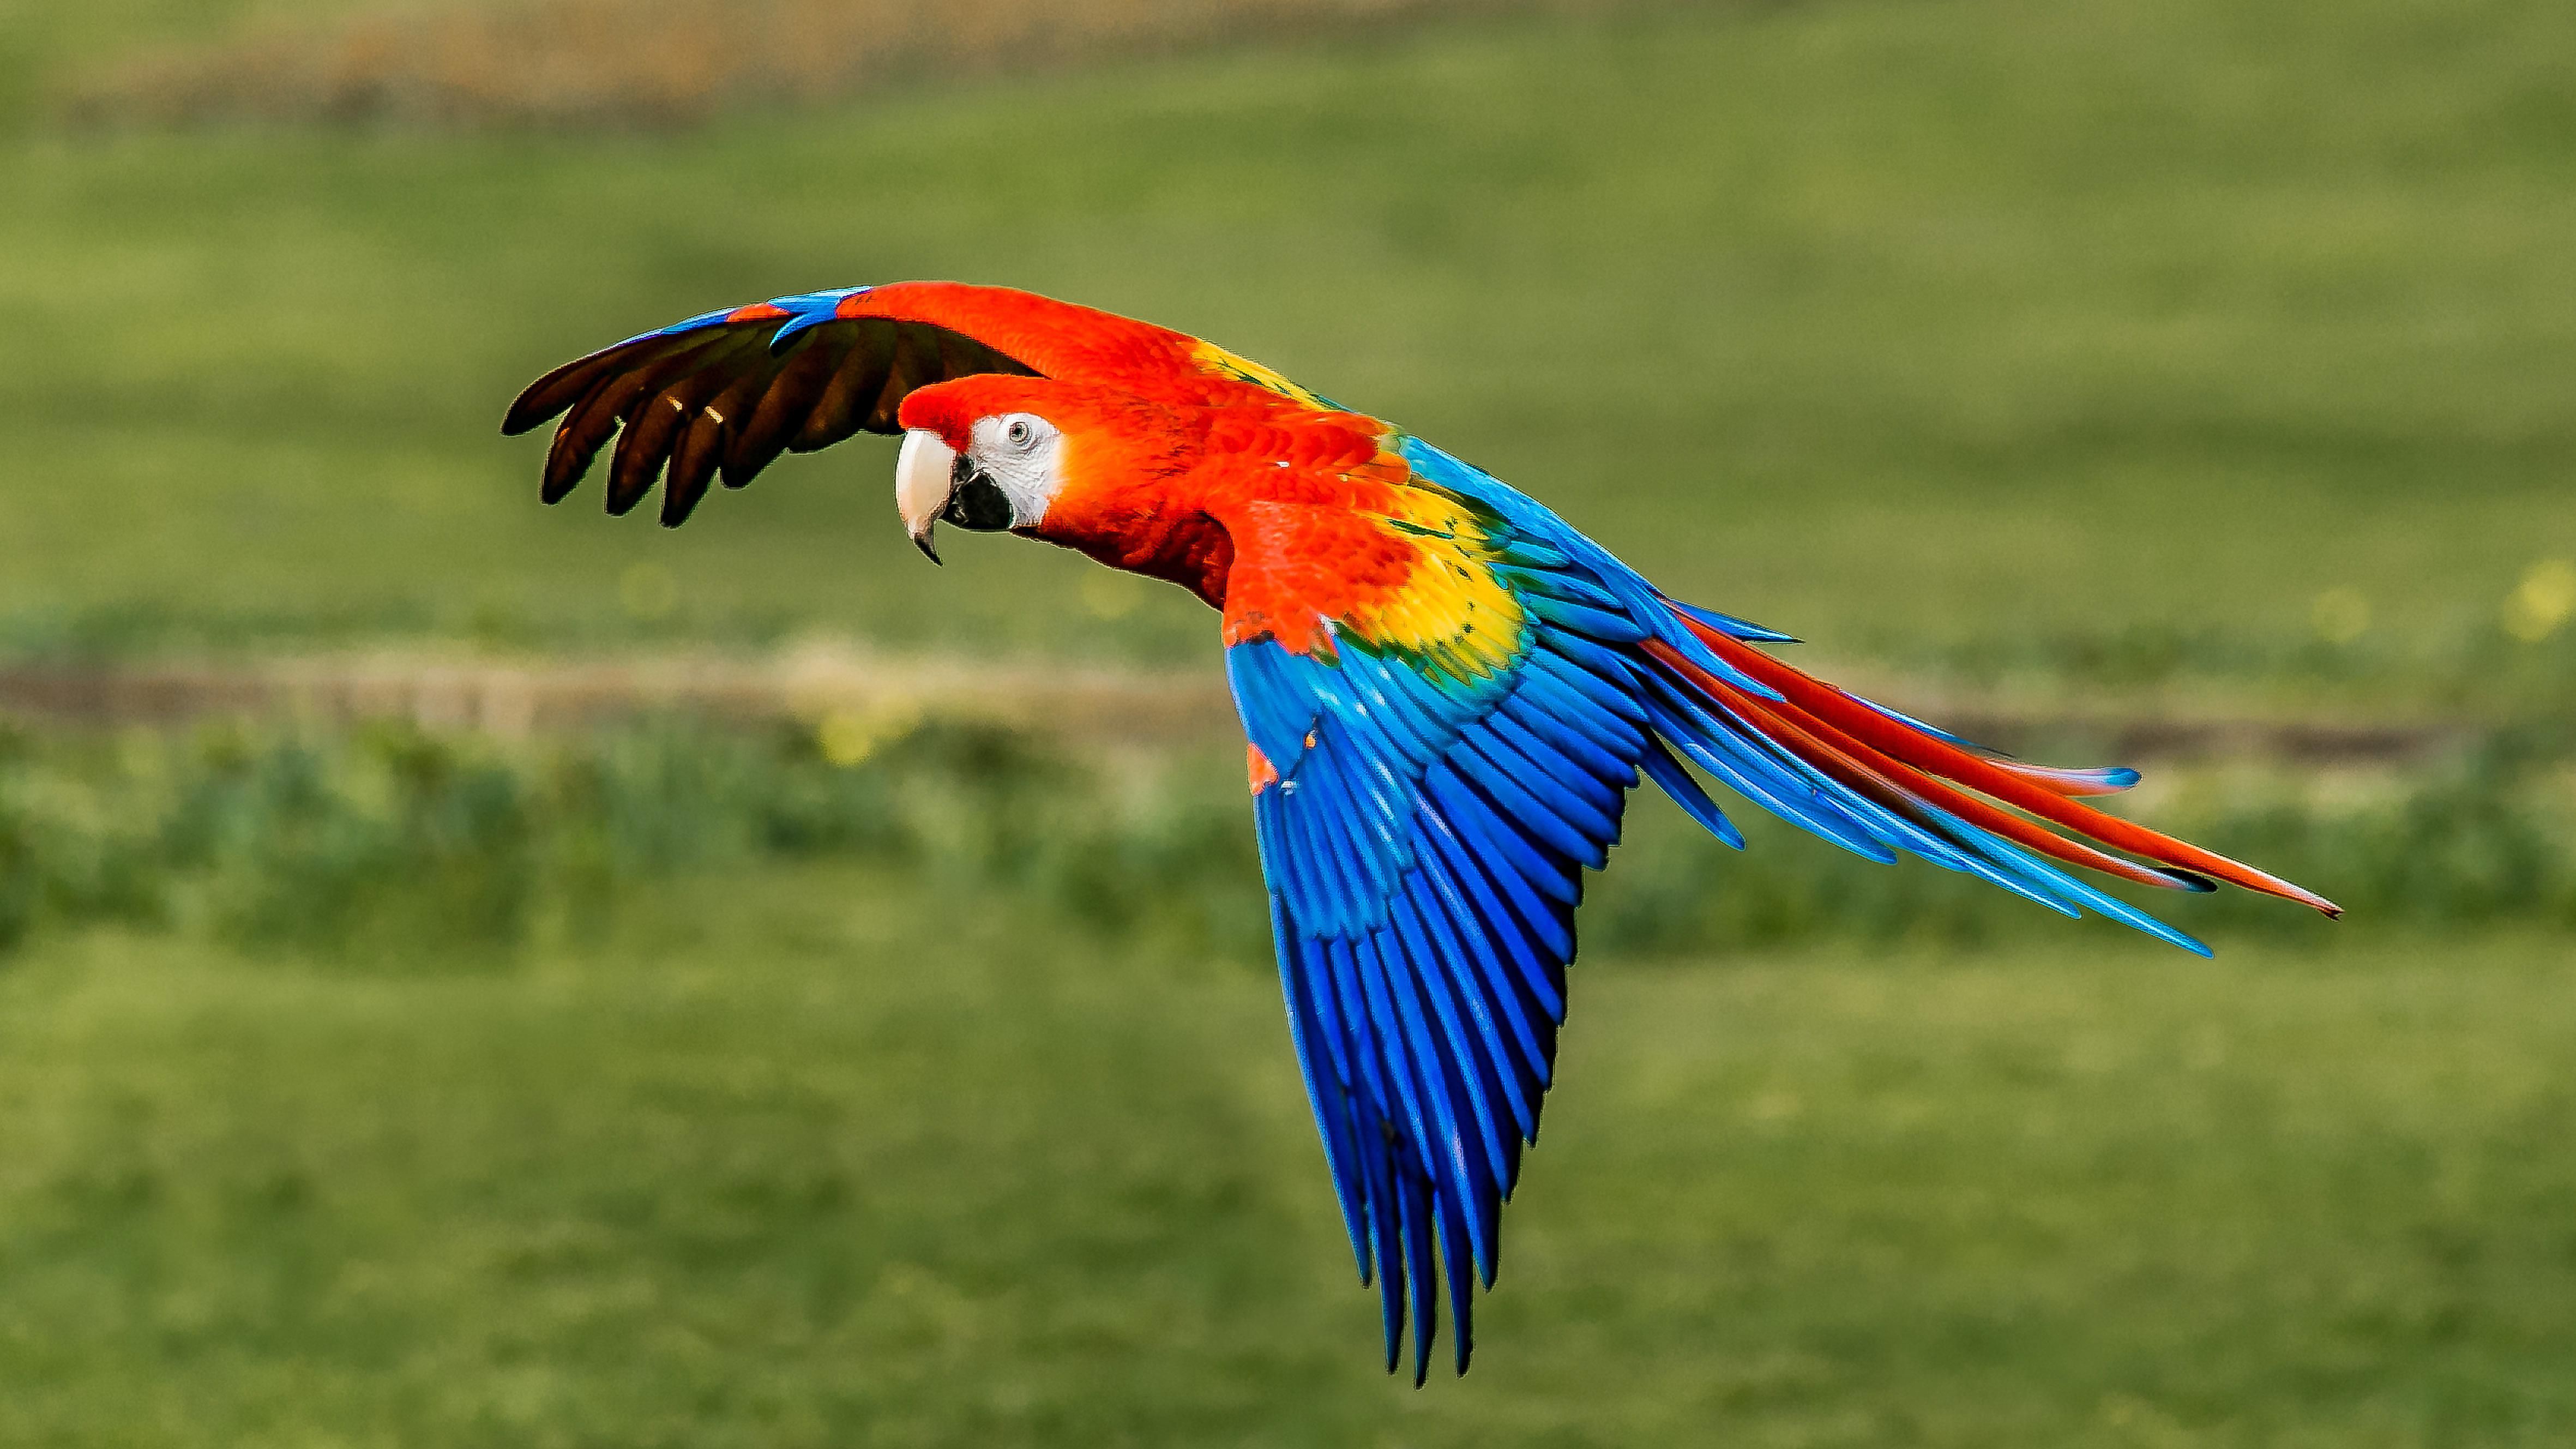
<point>924,473</point>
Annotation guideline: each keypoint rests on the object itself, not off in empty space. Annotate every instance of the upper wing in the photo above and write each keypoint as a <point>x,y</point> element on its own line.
<point>727,392</point>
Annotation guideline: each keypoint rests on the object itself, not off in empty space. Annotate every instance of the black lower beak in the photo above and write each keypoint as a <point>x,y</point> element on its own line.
<point>978,503</point>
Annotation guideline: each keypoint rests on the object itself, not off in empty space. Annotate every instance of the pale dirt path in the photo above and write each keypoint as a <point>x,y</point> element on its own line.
<point>818,683</point>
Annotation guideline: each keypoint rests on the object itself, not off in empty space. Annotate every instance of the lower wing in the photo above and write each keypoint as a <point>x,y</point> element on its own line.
<point>1424,826</point>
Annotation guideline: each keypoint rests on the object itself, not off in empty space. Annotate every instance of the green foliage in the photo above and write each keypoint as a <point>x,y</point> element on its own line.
<point>20,877</point>
<point>2489,837</point>
<point>397,837</point>
<point>394,845</point>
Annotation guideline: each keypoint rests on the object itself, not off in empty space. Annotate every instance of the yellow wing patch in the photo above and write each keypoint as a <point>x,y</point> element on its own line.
<point>1452,609</point>
<point>1243,369</point>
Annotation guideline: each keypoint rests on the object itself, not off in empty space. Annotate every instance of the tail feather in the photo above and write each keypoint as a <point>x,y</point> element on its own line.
<point>1901,788</point>
<point>1921,773</point>
<point>2107,780</point>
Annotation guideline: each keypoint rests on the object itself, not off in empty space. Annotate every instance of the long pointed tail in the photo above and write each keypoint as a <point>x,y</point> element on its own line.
<point>1877,782</point>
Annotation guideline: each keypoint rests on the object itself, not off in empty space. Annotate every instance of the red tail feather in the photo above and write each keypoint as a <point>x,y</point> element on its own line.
<point>1825,717</point>
<point>1903,788</point>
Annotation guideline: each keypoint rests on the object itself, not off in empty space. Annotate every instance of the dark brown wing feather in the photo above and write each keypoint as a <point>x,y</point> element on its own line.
<point>784,405</point>
<point>842,408</point>
<point>646,444</point>
<point>611,400</point>
<point>686,406</point>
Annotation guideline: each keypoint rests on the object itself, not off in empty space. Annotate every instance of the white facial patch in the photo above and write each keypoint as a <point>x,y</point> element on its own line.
<point>1020,453</point>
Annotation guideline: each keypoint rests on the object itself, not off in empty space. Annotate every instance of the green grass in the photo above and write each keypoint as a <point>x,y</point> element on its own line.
<point>2001,332</point>
<point>821,1158</point>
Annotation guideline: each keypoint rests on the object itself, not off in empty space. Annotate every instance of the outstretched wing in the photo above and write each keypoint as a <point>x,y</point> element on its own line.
<point>1437,757</point>
<point>1431,773</point>
<point>725,393</point>
<point>1855,772</point>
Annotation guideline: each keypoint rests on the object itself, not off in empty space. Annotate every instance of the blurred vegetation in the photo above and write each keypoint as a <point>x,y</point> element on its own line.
<point>2154,344</point>
<point>407,849</point>
<point>395,846</point>
<point>812,1157</point>
<point>661,63</point>
<point>926,1085</point>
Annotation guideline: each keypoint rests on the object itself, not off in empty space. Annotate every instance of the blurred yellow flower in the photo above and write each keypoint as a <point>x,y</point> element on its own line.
<point>847,737</point>
<point>2542,602</point>
<point>2340,615</point>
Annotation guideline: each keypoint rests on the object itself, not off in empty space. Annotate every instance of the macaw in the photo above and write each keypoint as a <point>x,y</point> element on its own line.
<point>1447,693</point>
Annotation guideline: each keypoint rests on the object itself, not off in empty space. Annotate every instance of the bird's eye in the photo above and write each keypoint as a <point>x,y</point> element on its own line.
<point>1019,434</point>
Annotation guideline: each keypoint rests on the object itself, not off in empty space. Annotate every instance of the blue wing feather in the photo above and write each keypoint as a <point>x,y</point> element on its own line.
<point>1424,856</point>
<point>1425,838</point>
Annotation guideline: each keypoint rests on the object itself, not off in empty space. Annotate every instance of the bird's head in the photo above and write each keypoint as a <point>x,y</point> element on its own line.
<point>978,455</point>
<point>1026,455</point>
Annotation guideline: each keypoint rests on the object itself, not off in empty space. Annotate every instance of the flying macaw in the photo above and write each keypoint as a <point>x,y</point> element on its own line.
<point>1447,692</point>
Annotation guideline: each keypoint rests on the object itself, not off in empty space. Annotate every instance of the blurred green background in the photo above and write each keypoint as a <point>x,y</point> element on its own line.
<point>693,1084</point>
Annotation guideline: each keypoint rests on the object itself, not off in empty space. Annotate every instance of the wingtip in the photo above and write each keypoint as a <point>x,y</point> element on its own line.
<point>548,396</point>
<point>520,418</point>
